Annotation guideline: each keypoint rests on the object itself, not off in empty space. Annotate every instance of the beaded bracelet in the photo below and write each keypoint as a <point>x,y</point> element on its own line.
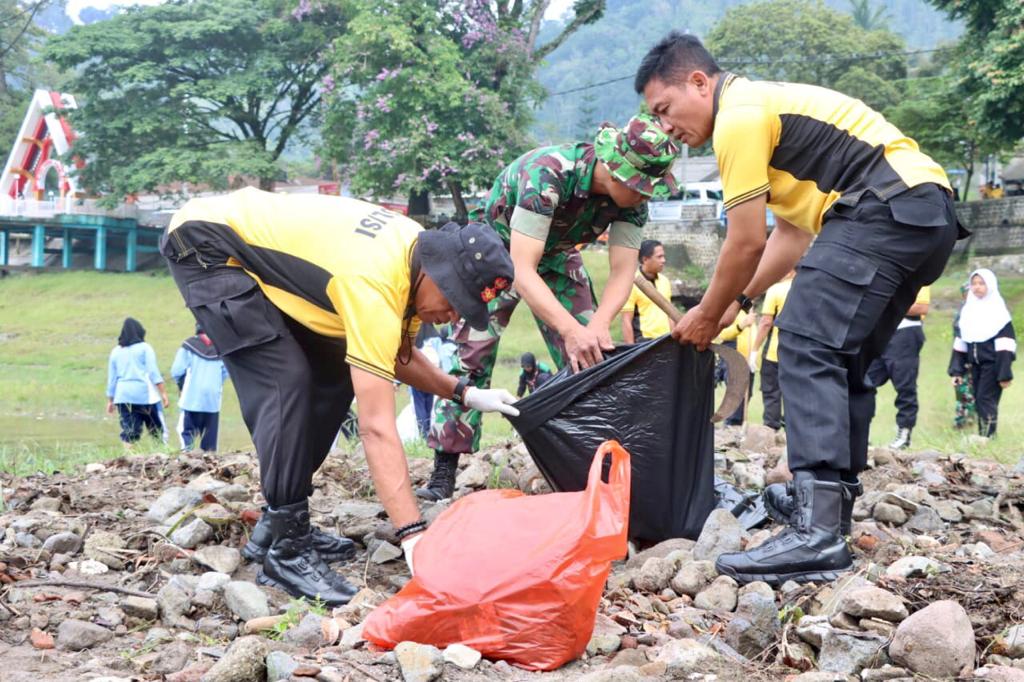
<point>411,529</point>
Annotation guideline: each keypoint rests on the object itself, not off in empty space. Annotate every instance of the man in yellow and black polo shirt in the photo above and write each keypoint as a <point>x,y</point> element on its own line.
<point>314,300</point>
<point>641,318</point>
<point>826,165</point>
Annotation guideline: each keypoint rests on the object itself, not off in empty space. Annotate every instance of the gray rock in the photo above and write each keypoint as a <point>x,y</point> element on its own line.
<point>812,629</point>
<point>27,540</point>
<point>279,666</point>
<point>886,672</point>
<point>938,641</point>
<point>171,658</point>
<point>475,475</point>
<point>217,628</point>
<point>948,511</point>
<point>218,558</point>
<point>1011,643</point>
<point>102,546</point>
<point>140,607</point>
<point>171,501</point>
<point>76,635</point>
<point>848,653</point>
<point>351,637</point>
<point>46,504</point>
<point>419,662</point>
<point>63,543</point>
<point>719,595</point>
<point>212,581</point>
<point>684,656</point>
<point>307,633</point>
<point>910,566</point>
<point>925,521</point>
<point>354,509</point>
<point>606,637</point>
<point>889,513</point>
<point>758,587</point>
<point>755,627</point>
<point>660,550</point>
<point>192,533</point>
<point>174,601</point>
<point>758,438</point>
<point>748,475</point>
<point>244,661</point>
<point>621,673</point>
<point>109,617</point>
<point>872,602</point>
<point>821,676</point>
<point>246,600</point>
<point>999,673</point>
<point>693,577</point>
<point>722,533</point>
<point>382,552</point>
<point>654,575</point>
<point>461,656</point>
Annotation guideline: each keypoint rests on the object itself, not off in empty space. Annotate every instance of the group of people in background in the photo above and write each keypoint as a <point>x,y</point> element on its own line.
<point>136,390</point>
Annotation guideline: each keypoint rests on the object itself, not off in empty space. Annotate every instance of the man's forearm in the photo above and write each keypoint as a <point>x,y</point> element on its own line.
<point>627,328</point>
<point>622,266</point>
<point>390,473</point>
<point>421,374</point>
<point>737,263</point>
<point>786,246</point>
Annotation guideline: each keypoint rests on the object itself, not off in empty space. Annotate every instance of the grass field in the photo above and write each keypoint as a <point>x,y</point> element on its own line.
<point>56,330</point>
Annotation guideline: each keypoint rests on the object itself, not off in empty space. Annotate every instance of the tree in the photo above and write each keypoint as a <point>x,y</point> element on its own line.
<point>199,91</point>
<point>806,42</point>
<point>20,37</point>
<point>435,96</point>
<point>991,65</point>
<point>868,18</point>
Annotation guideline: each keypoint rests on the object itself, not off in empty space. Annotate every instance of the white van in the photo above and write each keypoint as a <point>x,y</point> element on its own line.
<point>706,193</point>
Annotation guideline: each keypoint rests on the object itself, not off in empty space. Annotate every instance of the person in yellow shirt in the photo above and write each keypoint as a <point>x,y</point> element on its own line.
<point>740,335</point>
<point>880,213</point>
<point>900,364</point>
<point>314,300</point>
<point>641,318</point>
<point>771,394</point>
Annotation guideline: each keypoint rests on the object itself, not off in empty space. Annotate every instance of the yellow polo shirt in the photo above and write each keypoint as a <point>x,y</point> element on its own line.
<point>653,321</point>
<point>808,147</point>
<point>774,299</point>
<point>744,337</point>
<point>339,266</point>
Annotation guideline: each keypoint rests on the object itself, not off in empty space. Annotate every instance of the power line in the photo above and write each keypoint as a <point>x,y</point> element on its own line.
<point>741,61</point>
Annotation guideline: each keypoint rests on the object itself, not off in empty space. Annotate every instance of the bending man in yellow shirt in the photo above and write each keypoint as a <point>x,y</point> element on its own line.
<point>314,300</point>
<point>641,318</point>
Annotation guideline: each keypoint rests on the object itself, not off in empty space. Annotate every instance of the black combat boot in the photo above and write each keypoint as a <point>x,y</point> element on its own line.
<point>810,549</point>
<point>442,481</point>
<point>780,503</point>
<point>293,565</point>
<point>331,548</point>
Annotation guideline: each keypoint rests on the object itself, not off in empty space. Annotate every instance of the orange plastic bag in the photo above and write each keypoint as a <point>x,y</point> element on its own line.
<point>514,576</point>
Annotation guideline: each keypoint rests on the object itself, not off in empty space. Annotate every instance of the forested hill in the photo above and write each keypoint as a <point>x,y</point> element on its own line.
<point>614,45</point>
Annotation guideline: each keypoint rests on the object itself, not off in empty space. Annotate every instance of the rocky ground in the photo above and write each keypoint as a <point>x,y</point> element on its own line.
<point>130,571</point>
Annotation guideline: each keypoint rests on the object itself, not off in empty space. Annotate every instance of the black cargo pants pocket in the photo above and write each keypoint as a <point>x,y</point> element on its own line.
<point>827,294</point>
<point>233,310</point>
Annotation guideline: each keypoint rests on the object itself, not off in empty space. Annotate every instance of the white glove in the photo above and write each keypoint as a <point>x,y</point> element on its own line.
<point>752,362</point>
<point>407,547</point>
<point>490,400</point>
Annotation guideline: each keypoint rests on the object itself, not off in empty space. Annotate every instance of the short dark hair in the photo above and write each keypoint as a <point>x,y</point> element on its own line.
<point>675,57</point>
<point>647,248</point>
<point>528,361</point>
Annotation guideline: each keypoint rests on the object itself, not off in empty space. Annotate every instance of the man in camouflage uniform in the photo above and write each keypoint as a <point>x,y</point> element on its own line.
<point>542,206</point>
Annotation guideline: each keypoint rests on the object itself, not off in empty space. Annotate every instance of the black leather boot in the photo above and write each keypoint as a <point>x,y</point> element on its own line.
<point>810,549</point>
<point>293,565</point>
<point>331,548</point>
<point>442,482</point>
<point>780,503</point>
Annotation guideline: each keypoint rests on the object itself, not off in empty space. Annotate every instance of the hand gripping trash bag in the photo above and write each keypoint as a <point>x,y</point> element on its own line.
<point>516,577</point>
<point>656,398</point>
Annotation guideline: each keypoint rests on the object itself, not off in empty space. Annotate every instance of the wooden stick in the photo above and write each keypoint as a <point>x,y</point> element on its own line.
<point>83,584</point>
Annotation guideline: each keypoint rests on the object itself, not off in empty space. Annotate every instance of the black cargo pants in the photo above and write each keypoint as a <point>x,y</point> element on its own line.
<point>851,291</point>
<point>293,385</point>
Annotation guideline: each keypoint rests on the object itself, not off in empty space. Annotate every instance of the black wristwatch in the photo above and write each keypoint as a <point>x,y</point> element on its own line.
<point>746,303</point>
<point>460,389</point>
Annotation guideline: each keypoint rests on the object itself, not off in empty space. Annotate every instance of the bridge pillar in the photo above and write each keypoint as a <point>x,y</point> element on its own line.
<point>4,246</point>
<point>131,243</point>
<point>65,260</point>
<point>38,245</point>
<point>100,259</point>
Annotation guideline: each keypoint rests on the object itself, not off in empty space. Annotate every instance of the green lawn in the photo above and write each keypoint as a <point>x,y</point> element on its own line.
<point>56,330</point>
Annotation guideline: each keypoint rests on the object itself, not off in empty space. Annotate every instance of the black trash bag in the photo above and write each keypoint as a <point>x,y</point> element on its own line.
<point>746,506</point>
<point>656,398</point>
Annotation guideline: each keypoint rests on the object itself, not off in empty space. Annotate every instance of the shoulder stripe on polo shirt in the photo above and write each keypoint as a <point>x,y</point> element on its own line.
<point>372,369</point>
<point>850,161</point>
<point>747,195</point>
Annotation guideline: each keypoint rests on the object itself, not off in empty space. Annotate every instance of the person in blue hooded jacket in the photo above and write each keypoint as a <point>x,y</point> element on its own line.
<point>200,374</point>
<point>135,387</point>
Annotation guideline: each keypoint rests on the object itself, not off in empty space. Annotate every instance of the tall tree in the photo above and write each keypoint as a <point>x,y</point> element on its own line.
<point>806,42</point>
<point>867,17</point>
<point>434,97</point>
<point>992,63</point>
<point>20,38</point>
<point>198,91</point>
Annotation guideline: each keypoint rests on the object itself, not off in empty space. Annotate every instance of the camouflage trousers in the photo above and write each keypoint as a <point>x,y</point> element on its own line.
<point>966,410</point>
<point>457,429</point>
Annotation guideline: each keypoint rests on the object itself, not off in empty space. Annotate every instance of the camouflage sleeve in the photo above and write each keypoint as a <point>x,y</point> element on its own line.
<point>538,193</point>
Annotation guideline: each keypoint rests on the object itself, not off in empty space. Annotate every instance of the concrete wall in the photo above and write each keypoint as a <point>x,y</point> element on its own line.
<point>696,238</point>
<point>996,225</point>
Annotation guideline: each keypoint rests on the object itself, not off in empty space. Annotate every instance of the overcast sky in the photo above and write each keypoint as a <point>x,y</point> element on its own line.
<point>75,7</point>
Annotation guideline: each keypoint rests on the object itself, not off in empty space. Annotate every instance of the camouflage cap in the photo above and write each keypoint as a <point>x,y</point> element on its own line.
<point>640,155</point>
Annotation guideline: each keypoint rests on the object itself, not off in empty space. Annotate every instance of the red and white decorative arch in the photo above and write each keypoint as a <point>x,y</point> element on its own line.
<point>44,137</point>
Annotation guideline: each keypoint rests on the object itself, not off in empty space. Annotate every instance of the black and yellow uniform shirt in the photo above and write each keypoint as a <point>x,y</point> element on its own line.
<point>340,267</point>
<point>808,147</point>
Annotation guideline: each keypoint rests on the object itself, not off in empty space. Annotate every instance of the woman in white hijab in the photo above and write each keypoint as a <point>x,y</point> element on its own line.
<point>986,347</point>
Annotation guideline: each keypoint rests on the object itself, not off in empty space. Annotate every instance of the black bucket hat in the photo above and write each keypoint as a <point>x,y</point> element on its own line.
<point>470,265</point>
